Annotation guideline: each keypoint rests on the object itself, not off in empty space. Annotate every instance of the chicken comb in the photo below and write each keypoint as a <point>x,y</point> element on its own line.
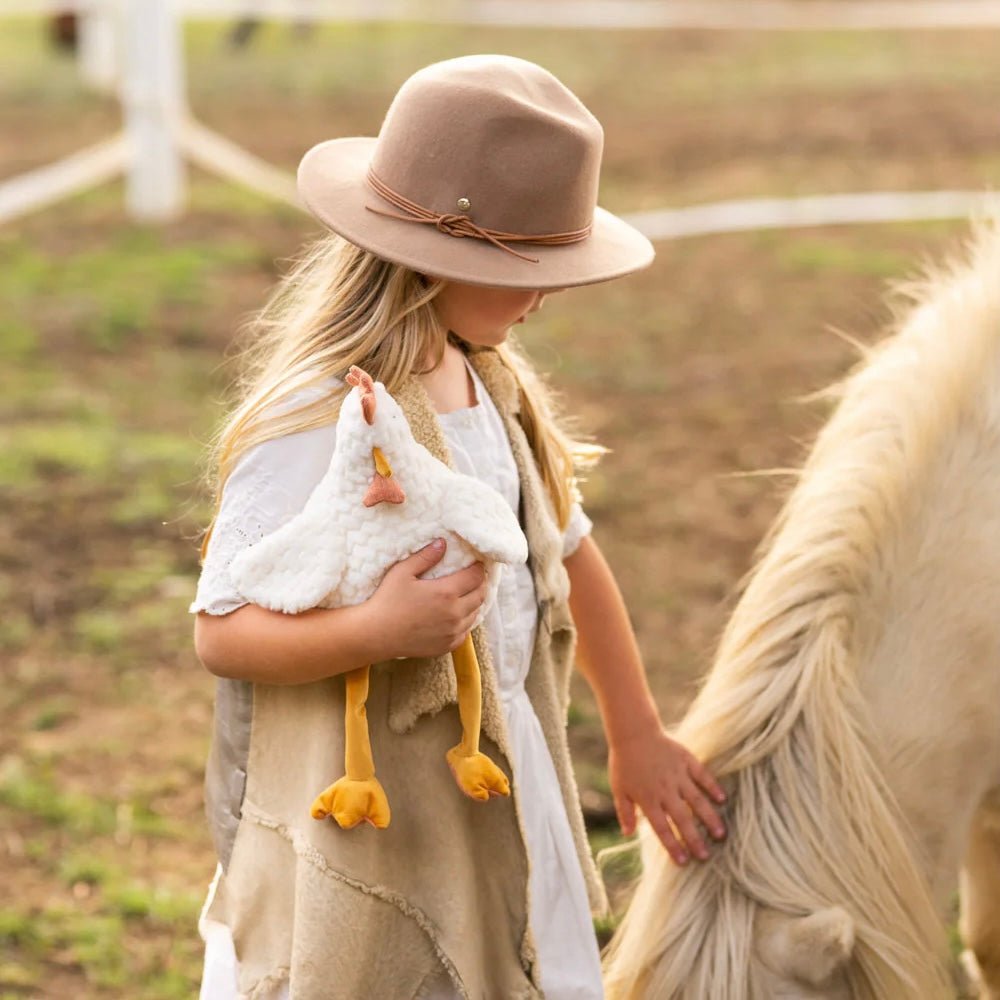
<point>360,378</point>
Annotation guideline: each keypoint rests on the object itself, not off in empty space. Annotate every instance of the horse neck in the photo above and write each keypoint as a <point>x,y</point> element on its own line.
<point>928,642</point>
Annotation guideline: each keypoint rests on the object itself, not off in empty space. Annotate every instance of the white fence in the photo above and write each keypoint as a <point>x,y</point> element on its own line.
<point>159,134</point>
<point>721,15</point>
<point>134,47</point>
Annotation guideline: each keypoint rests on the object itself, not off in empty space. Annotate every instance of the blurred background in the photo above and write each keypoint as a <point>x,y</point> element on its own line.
<point>120,303</point>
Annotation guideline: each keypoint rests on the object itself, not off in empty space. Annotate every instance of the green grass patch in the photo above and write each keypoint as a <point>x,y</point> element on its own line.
<point>83,867</point>
<point>32,789</point>
<point>17,929</point>
<point>16,630</point>
<point>618,863</point>
<point>146,502</point>
<point>593,775</point>
<point>114,294</point>
<point>31,69</point>
<point>108,936</point>
<point>92,941</point>
<point>170,984</point>
<point>127,585</point>
<point>24,387</point>
<point>53,714</point>
<point>825,257</point>
<point>121,624</point>
<point>39,450</point>
<point>18,341</point>
<point>154,904</point>
<point>211,196</point>
<point>101,630</point>
<point>338,59</point>
<point>15,979</point>
<point>37,794</point>
<point>97,450</point>
<point>617,856</point>
<point>605,926</point>
<point>96,942</point>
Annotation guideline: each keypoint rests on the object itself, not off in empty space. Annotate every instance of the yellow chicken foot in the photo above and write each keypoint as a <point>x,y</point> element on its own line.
<point>358,795</point>
<point>475,773</point>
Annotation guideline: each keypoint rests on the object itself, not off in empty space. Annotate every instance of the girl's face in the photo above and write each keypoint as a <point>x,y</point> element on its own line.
<point>484,316</point>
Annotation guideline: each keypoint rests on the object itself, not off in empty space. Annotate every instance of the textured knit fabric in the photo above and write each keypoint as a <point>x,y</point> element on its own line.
<point>289,879</point>
<point>335,552</point>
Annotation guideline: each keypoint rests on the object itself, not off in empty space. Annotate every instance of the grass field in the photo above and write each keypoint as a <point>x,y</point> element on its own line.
<point>112,337</point>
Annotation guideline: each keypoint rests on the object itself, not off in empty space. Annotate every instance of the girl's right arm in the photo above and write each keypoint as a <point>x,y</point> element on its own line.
<point>405,617</point>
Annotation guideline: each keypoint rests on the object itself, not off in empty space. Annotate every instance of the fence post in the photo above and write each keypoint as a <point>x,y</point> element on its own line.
<point>98,46</point>
<point>152,91</point>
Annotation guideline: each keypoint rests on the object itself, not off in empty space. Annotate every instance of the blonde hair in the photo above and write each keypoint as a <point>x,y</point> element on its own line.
<point>338,306</point>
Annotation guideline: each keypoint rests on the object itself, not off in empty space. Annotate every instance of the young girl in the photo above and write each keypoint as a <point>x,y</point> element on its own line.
<point>475,201</point>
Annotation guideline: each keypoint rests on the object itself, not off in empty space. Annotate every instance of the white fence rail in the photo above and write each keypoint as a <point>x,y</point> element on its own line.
<point>146,65</point>
<point>818,210</point>
<point>47,185</point>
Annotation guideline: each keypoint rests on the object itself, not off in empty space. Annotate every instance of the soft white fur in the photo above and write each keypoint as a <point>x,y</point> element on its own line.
<point>853,711</point>
<point>336,551</point>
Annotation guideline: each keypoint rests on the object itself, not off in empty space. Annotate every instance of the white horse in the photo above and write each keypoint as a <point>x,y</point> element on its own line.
<point>853,711</point>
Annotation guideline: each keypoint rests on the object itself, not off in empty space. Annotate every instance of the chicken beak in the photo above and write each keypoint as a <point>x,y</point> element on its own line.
<point>384,487</point>
<point>382,466</point>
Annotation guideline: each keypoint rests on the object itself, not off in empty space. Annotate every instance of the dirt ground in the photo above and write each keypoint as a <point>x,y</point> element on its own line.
<point>112,338</point>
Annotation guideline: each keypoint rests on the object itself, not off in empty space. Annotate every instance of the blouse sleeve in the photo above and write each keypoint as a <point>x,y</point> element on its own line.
<point>270,484</point>
<point>576,531</point>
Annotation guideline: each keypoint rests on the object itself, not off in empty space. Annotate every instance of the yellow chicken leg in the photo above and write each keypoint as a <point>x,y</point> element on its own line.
<point>475,773</point>
<point>358,795</point>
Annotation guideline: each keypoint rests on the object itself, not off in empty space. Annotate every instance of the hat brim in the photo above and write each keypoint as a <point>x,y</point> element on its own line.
<point>332,184</point>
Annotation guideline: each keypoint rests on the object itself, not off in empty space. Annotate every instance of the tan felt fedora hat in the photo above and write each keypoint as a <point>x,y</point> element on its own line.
<point>485,171</point>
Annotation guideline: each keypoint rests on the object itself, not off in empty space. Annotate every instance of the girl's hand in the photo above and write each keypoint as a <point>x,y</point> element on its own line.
<point>415,618</point>
<point>669,785</point>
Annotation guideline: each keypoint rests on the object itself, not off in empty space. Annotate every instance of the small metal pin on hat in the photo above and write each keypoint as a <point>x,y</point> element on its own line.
<point>464,204</point>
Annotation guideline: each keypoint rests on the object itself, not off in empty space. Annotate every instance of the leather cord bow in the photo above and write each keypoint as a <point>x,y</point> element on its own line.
<point>461,226</point>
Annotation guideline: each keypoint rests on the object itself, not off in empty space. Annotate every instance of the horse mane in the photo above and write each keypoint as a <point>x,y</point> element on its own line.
<point>781,719</point>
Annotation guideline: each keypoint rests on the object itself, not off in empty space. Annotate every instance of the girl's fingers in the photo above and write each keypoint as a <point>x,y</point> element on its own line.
<point>472,602</point>
<point>702,808</point>
<point>625,809</point>
<point>661,825</point>
<point>426,558</point>
<point>467,623</point>
<point>683,819</point>
<point>703,777</point>
<point>467,581</point>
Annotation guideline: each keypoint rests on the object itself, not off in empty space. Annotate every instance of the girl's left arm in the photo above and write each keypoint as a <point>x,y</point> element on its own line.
<point>646,768</point>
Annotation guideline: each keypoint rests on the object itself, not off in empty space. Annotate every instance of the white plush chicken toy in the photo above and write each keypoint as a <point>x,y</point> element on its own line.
<point>383,498</point>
